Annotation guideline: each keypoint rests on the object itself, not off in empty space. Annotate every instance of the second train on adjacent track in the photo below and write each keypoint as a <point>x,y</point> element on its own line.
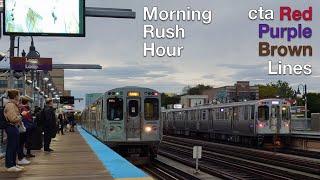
<point>259,122</point>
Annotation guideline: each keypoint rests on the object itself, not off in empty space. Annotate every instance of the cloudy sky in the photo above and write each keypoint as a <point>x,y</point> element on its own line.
<point>217,54</point>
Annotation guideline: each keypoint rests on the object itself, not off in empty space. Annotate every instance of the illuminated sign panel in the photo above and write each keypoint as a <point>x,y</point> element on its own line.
<point>23,63</point>
<point>133,94</point>
<point>44,18</point>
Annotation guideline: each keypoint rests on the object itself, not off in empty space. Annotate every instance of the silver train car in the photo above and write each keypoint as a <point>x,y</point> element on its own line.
<point>127,119</point>
<point>252,122</point>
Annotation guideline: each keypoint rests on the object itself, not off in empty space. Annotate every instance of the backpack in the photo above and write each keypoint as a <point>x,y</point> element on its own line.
<point>3,120</point>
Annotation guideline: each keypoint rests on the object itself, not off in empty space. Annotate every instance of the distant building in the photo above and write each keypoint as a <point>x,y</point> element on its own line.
<point>193,100</point>
<point>241,91</point>
<point>90,98</point>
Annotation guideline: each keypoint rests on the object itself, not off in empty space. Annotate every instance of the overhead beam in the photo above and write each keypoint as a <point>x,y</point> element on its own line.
<point>76,66</point>
<point>69,66</point>
<point>106,12</point>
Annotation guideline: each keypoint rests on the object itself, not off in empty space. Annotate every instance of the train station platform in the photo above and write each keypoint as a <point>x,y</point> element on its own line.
<point>306,134</point>
<point>77,155</point>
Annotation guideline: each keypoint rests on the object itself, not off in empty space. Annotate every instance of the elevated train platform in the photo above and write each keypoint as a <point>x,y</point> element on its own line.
<point>306,140</point>
<point>77,156</point>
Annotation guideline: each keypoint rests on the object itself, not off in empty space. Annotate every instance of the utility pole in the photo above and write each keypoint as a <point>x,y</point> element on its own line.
<point>10,79</point>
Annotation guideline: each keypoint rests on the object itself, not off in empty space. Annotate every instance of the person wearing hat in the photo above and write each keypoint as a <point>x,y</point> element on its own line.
<point>50,123</point>
<point>29,124</point>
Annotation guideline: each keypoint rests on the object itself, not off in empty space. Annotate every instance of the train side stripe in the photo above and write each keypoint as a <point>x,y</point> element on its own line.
<point>117,166</point>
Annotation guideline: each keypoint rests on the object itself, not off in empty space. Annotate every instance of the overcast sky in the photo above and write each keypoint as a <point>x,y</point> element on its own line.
<point>217,54</point>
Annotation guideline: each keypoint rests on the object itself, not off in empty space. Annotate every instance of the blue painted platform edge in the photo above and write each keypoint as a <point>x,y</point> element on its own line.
<point>116,165</point>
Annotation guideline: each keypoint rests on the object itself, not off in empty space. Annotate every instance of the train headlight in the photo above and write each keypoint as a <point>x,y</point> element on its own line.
<point>261,125</point>
<point>147,129</point>
<point>286,124</point>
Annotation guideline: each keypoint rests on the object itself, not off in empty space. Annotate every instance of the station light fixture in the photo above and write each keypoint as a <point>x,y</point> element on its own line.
<point>46,79</point>
<point>49,84</point>
<point>37,88</point>
<point>28,82</point>
<point>52,89</point>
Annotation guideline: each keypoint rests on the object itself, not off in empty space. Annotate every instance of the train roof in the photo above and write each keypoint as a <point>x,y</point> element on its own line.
<point>253,102</point>
<point>132,88</point>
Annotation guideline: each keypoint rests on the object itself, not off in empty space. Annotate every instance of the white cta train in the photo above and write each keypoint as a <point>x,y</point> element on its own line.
<point>128,120</point>
<point>252,122</point>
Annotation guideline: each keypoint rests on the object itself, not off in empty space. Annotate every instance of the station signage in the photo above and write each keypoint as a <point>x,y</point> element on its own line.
<point>25,63</point>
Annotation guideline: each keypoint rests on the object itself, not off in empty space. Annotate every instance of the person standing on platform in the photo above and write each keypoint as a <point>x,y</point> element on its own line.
<point>30,126</point>
<point>61,123</point>
<point>50,124</point>
<point>14,119</point>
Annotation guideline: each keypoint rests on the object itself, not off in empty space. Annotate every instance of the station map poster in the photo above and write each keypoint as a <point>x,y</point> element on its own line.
<point>44,17</point>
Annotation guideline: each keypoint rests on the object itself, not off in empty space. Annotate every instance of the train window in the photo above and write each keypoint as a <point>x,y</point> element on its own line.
<point>285,113</point>
<point>115,109</point>
<point>252,112</point>
<point>263,113</point>
<point>204,115</point>
<point>151,109</point>
<point>133,106</point>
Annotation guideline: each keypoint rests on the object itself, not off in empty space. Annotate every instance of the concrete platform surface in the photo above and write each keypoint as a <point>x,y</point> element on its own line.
<point>72,159</point>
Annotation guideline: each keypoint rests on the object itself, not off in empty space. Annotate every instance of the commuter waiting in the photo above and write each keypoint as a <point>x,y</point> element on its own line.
<point>61,123</point>
<point>48,117</point>
<point>14,119</point>
<point>27,120</point>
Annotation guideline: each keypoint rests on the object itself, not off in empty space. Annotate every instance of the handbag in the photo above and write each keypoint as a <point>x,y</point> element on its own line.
<point>22,128</point>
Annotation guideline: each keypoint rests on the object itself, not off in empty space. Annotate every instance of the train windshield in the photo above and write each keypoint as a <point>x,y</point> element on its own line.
<point>263,113</point>
<point>285,113</point>
<point>151,109</point>
<point>115,109</point>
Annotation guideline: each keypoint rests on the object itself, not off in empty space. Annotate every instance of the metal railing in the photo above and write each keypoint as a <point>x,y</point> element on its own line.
<point>301,124</point>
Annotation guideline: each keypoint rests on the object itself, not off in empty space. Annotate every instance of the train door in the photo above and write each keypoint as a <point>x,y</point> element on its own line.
<point>275,121</point>
<point>133,119</point>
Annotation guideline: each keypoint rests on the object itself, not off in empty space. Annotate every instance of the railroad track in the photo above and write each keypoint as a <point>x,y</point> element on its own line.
<point>242,163</point>
<point>163,171</point>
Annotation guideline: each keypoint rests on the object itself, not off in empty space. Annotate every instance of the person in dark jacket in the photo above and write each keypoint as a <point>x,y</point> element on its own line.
<point>26,137</point>
<point>49,124</point>
<point>61,123</point>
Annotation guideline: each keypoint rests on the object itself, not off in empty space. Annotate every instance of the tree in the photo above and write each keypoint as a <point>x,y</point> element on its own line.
<point>267,91</point>
<point>284,89</point>
<point>166,99</point>
<point>279,89</point>
<point>313,100</point>
<point>197,89</point>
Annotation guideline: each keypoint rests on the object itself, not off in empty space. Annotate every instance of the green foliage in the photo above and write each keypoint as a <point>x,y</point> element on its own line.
<point>266,91</point>
<point>166,99</point>
<point>313,100</point>
<point>196,90</point>
<point>280,89</point>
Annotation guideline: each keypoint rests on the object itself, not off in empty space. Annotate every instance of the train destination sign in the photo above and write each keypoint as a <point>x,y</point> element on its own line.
<point>24,63</point>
